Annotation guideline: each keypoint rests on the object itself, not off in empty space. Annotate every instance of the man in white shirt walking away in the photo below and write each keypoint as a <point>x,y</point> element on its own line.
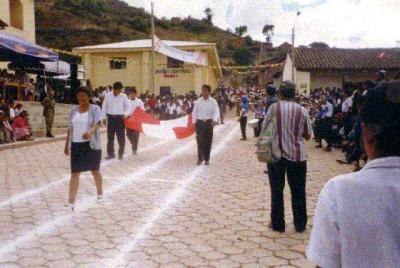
<point>357,219</point>
<point>205,115</point>
<point>133,136</point>
<point>116,109</point>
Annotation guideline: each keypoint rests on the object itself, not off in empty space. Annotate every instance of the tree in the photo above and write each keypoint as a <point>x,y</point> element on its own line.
<point>248,40</point>
<point>241,30</point>
<point>209,15</point>
<point>318,45</point>
<point>268,31</point>
<point>242,56</point>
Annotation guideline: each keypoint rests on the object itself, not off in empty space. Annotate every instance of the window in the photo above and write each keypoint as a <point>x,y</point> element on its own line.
<point>117,63</point>
<point>173,63</point>
<point>16,14</point>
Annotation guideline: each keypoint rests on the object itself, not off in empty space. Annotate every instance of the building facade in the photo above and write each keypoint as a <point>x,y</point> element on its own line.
<point>131,63</point>
<point>335,67</point>
<point>19,17</point>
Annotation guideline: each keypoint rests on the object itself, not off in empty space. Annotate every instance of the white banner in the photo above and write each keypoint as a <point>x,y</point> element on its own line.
<point>178,54</point>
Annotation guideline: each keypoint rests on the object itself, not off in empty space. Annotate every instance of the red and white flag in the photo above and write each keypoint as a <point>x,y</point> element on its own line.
<point>147,124</point>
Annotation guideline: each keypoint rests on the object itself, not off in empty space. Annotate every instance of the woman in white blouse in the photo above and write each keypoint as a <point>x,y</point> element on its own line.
<point>83,143</point>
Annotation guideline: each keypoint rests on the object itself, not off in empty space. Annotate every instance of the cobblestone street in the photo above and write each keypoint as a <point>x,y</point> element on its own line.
<point>159,209</point>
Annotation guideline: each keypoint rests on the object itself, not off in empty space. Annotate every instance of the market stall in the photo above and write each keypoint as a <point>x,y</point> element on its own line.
<point>22,54</point>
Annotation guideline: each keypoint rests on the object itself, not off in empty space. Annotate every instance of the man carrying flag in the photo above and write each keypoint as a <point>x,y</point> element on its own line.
<point>133,135</point>
<point>205,115</point>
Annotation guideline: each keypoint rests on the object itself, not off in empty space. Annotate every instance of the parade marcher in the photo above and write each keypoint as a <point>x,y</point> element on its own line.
<point>133,136</point>
<point>205,115</point>
<point>83,143</point>
<point>116,109</point>
<point>357,218</point>
<point>49,108</point>
<point>244,112</point>
<point>293,125</point>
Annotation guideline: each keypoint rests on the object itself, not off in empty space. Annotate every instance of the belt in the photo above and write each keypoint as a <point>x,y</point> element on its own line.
<point>205,121</point>
<point>115,115</point>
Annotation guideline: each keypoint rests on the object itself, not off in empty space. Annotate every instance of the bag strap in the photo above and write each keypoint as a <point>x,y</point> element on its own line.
<point>278,116</point>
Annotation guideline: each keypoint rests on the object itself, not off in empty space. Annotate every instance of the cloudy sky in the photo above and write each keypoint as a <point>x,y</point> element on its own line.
<point>340,23</point>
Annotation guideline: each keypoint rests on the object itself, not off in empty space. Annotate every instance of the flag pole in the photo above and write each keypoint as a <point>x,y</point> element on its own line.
<point>153,52</point>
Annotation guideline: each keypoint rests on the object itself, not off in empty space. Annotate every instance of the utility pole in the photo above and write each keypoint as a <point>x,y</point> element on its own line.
<point>153,52</point>
<point>293,56</point>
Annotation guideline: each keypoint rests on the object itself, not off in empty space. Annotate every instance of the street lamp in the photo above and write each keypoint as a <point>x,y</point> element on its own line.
<point>293,44</point>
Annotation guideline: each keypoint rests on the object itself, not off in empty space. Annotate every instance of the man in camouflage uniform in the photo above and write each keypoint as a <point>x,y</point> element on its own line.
<point>49,105</point>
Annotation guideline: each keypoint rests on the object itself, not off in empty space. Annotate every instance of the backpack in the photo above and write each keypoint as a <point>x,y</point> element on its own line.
<point>268,147</point>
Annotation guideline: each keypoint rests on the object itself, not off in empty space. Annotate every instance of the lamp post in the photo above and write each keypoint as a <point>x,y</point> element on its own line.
<point>293,49</point>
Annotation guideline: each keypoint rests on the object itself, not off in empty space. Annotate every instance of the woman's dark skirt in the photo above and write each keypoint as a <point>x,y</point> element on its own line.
<point>83,158</point>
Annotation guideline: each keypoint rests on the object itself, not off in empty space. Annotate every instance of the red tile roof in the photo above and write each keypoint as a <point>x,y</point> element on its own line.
<point>347,59</point>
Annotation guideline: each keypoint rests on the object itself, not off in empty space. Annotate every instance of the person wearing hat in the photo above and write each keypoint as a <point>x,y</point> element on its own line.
<point>293,125</point>
<point>116,109</point>
<point>357,218</point>
<point>380,77</point>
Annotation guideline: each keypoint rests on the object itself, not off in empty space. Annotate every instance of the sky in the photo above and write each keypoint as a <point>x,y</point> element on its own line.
<point>339,23</point>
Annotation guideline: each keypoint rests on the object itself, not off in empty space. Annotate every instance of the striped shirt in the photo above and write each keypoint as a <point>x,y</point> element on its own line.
<point>293,122</point>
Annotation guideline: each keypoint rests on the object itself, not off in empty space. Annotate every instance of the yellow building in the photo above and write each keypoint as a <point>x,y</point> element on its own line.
<point>130,63</point>
<point>19,16</point>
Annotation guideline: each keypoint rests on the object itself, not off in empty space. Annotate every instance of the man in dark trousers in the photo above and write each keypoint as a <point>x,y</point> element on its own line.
<point>205,115</point>
<point>293,125</point>
<point>116,109</point>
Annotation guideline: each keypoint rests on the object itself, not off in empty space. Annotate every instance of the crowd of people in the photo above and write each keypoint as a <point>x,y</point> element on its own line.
<point>14,123</point>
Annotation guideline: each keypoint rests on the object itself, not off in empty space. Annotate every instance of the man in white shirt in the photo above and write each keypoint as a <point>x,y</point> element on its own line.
<point>357,219</point>
<point>133,136</point>
<point>116,109</point>
<point>205,115</point>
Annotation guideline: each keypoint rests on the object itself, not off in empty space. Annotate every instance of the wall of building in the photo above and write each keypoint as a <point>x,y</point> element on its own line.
<point>303,81</point>
<point>139,72</point>
<point>28,18</point>
<point>322,79</point>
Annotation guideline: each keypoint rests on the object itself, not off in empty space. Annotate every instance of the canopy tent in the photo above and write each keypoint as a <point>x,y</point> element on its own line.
<point>14,48</point>
<point>50,68</point>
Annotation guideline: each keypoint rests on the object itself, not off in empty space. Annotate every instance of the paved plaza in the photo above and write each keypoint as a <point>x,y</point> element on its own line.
<point>159,210</point>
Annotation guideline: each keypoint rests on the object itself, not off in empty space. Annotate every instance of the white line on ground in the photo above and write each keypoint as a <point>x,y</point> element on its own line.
<point>34,192</point>
<point>49,226</point>
<point>172,197</point>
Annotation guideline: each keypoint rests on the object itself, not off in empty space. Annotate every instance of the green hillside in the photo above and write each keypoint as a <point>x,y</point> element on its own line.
<point>65,24</point>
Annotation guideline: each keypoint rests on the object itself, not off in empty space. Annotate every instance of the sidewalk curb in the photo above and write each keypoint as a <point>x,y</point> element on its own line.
<point>38,141</point>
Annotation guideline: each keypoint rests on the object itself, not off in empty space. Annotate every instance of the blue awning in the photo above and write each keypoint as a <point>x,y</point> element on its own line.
<point>13,47</point>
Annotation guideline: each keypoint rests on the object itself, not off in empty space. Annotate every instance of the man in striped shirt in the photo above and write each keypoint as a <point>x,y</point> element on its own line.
<point>293,125</point>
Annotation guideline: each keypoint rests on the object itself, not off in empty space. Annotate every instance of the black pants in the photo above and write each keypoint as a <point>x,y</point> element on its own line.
<point>326,130</point>
<point>296,173</point>
<point>133,137</point>
<point>243,123</point>
<point>257,129</point>
<point>204,136</point>
<point>115,126</point>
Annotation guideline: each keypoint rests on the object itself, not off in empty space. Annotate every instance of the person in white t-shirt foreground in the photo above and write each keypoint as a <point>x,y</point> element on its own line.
<point>357,219</point>
<point>136,103</point>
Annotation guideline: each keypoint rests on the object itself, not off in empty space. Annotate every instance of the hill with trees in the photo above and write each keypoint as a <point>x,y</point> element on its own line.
<point>64,24</point>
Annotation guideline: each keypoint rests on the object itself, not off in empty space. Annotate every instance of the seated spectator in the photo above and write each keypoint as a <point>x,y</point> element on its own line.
<point>357,219</point>
<point>18,109</point>
<point>22,130</point>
